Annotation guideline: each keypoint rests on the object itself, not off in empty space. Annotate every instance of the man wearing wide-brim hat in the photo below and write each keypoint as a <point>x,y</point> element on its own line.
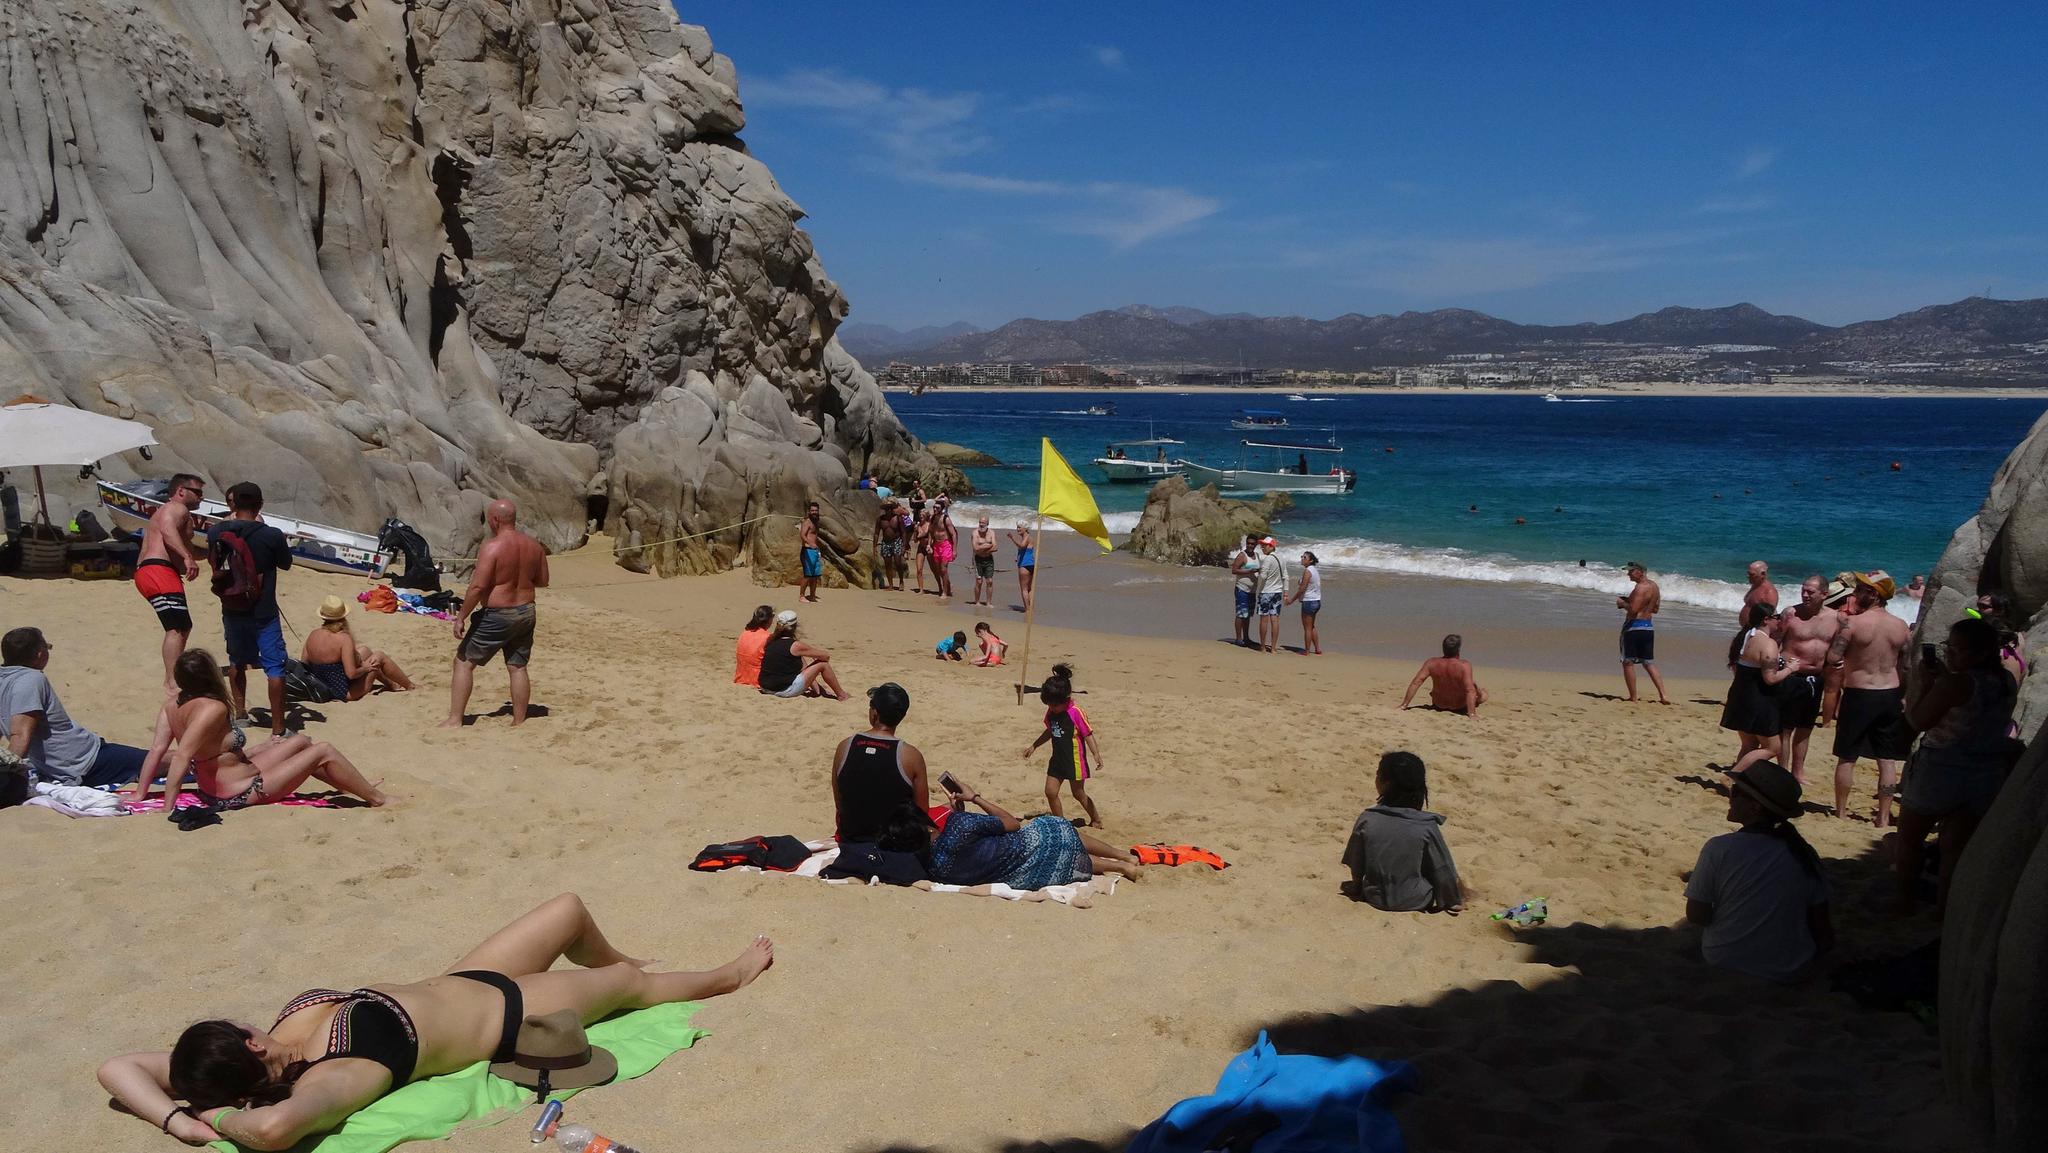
<point>1758,891</point>
<point>1865,659</point>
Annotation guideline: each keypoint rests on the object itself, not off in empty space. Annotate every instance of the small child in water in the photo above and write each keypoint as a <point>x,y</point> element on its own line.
<point>953,648</point>
<point>1075,755</point>
<point>992,646</point>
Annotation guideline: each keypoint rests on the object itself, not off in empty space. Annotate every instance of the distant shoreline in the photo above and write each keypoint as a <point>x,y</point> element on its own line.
<point>1801,388</point>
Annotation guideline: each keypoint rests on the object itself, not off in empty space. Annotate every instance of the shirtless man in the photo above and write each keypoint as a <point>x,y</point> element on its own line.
<point>1866,655</point>
<point>811,555</point>
<point>1805,633</point>
<point>983,543</point>
<point>1761,590</point>
<point>1639,608</point>
<point>167,562</point>
<point>1453,687</point>
<point>508,568</point>
<point>889,544</point>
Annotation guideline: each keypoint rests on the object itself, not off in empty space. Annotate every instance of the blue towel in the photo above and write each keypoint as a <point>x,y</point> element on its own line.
<point>1265,1103</point>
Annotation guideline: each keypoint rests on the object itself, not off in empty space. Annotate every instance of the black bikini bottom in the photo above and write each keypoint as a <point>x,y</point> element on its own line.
<point>515,1009</point>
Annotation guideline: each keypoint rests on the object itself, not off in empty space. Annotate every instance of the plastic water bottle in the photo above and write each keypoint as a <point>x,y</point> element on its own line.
<point>579,1139</point>
<point>1534,911</point>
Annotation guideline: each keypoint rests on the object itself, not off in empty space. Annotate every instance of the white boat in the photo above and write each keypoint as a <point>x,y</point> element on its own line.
<point>1299,479</point>
<point>1122,468</point>
<point>323,548</point>
<point>1553,398</point>
<point>1105,408</point>
<point>1297,396</point>
<point>1258,419</point>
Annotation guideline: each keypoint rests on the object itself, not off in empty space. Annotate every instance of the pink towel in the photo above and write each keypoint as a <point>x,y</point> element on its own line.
<point>189,800</point>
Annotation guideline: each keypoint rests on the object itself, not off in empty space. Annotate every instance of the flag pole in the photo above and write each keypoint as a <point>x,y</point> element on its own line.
<point>1031,608</point>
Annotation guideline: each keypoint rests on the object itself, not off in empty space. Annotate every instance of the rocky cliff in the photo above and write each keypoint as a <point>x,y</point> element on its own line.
<point>401,255</point>
<point>1994,986</point>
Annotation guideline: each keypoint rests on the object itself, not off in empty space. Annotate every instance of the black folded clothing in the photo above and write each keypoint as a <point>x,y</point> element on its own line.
<point>193,818</point>
<point>776,854</point>
<point>864,862</point>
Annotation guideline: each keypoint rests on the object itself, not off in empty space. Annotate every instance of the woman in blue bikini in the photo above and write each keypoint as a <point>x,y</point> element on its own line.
<point>332,1053</point>
<point>1027,562</point>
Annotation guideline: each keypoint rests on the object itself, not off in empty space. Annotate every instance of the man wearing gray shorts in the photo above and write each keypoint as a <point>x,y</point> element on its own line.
<point>509,567</point>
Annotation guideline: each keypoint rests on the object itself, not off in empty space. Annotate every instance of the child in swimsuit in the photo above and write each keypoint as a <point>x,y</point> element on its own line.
<point>953,648</point>
<point>1075,755</point>
<point>992,646</point>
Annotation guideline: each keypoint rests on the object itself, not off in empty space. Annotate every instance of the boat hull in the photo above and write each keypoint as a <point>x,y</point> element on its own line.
<point>320,547</point>
<point>1135,471</point>
<point>1251,480</point>
<point>1257,426</point>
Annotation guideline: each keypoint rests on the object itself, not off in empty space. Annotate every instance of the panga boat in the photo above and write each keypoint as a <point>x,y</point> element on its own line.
<point>323,548</point>
<point>1122,468</point>
<point>1552,398</point>
<point>1279,478</point>
<point>1254,419</point>
<point>1104,408</point>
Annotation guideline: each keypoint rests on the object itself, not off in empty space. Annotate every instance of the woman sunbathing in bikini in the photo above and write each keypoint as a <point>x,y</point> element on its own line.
<point>231,777</point>
<point>333,1053</point>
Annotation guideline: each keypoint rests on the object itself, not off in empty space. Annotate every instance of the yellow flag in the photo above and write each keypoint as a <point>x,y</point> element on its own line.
<point>1063,497</point>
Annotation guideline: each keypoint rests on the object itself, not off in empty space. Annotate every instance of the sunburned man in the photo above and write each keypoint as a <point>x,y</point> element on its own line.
<point>1761,590</point>
<point>509,567</point>
<point>1453,687</point>
<point>1805,632</point>
<point>167,562</point>
<point>1865,656</point>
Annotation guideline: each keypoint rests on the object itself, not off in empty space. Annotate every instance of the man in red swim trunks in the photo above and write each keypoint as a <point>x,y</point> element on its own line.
<point>166,563</point>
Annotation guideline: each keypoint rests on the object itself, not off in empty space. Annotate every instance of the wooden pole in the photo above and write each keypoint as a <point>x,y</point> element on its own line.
<point>42,497</point>
<point>1031,610</point>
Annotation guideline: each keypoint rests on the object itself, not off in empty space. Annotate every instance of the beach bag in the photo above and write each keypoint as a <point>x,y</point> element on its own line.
<point>300,685</point>
<point>236,579</point>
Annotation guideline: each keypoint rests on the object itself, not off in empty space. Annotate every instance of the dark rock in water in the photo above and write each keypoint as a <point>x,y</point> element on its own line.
<point>1994,984</point>
<point>1182,525</point>
<point>396,258</point>
<point>959,456</point>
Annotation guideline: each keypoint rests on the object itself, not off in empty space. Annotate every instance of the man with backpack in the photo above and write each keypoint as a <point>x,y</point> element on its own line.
<point>246,556</point>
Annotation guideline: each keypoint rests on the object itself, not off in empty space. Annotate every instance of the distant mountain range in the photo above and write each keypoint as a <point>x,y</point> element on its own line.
<point>1142,334</point>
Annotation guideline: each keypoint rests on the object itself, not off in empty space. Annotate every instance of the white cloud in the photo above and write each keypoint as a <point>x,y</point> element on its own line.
<point>924,136</point>
<point>1107,55</point>
<point>1754,163</point>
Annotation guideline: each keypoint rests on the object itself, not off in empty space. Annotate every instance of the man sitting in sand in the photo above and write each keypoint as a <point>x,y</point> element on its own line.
<point>1758,891</point>
<point>1865,658</point>
<point>1639,607</point>
<point>40,732</point>
<point>874,771</point>
<point>1453,686</point>
<point>509,567</point>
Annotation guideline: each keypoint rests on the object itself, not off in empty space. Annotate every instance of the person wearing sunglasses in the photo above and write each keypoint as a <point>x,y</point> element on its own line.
<point>167,562</point>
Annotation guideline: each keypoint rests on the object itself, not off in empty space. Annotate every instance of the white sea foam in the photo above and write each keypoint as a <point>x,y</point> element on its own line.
<point>1007,515</point>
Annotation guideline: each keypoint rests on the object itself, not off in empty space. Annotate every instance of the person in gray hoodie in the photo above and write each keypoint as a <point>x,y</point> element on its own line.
<point>1398,859</point>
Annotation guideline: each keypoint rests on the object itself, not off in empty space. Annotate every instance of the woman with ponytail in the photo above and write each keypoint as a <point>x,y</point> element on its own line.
<point>1758,891</point>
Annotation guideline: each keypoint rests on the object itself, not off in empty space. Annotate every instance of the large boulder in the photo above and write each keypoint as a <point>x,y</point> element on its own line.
<point>1187,526</point>
<point>398,256</point>
<point>960,456</point>
<point>1994,983</point>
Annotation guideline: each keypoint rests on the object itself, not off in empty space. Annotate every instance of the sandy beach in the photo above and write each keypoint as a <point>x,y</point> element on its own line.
<point>902,1020</point>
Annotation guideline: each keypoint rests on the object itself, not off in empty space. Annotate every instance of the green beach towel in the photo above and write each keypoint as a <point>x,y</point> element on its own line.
<point>433,1108</point>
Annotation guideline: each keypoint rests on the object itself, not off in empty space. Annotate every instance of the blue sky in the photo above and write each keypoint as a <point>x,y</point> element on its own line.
<point>1540,162</point>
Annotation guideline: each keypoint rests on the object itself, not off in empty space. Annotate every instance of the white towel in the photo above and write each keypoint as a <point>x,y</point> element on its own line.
<point>77,801</point>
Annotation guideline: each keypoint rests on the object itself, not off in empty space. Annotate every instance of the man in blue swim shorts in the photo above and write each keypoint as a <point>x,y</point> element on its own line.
<point>1638,630</point>
<point>813,559</point>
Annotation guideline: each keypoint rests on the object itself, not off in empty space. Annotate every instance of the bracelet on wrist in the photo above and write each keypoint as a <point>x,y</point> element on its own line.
<point>221,1116</point>
<point>165,1124</point>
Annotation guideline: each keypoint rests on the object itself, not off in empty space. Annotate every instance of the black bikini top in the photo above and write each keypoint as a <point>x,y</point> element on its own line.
<point>369,1025</point>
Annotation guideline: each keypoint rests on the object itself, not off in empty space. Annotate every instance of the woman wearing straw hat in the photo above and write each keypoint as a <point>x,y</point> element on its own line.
<point>1759,891</point>
<point>331,1053</point>
<point>346,669</point>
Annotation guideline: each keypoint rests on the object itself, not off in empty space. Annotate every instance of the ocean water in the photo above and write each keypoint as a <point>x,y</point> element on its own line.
<point>1695,487</point>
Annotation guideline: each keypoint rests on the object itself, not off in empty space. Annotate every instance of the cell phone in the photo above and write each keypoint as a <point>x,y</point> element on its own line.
<point>951,784</point>
<point>1928,656</point>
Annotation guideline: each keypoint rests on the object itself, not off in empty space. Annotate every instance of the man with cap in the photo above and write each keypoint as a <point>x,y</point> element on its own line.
<point>1639,607</point>
<point>1272,593</point>
<point>1758,891</point>
<point>1244,573</point>
<point>1805,632</point>
<point>40,732</point>
<point>248,606</point>
<point>1864,659</point>
<point>875,773</point>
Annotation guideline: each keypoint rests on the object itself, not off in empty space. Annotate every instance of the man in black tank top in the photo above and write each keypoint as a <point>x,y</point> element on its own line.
<point>875,772</point>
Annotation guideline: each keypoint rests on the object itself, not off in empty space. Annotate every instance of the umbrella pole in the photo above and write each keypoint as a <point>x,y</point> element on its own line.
<point>42,498</point>
<point>1030,610</point>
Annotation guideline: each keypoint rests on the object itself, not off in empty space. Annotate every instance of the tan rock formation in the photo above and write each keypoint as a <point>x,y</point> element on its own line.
<point>394,255</point>
<point>1182,525</point>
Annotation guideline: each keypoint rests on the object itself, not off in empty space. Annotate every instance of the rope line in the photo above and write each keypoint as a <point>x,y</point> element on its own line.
<point>459,560</point>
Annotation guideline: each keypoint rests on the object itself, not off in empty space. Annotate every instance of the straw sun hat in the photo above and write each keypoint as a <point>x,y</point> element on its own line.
<point>333,608</point>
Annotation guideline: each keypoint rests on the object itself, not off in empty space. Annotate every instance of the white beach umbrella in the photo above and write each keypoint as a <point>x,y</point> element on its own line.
<point>34,433</point>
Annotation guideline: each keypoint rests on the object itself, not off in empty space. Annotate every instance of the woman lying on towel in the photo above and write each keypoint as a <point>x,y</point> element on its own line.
<point>332,1053</point>
<point>231,776</point>
<point>992,847</point>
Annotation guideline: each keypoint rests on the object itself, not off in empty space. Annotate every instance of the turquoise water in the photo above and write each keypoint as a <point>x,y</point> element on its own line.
<point>1694,487</point>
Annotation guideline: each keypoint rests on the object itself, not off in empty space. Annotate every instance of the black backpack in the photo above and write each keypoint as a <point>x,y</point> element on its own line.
<point>236,579</point>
